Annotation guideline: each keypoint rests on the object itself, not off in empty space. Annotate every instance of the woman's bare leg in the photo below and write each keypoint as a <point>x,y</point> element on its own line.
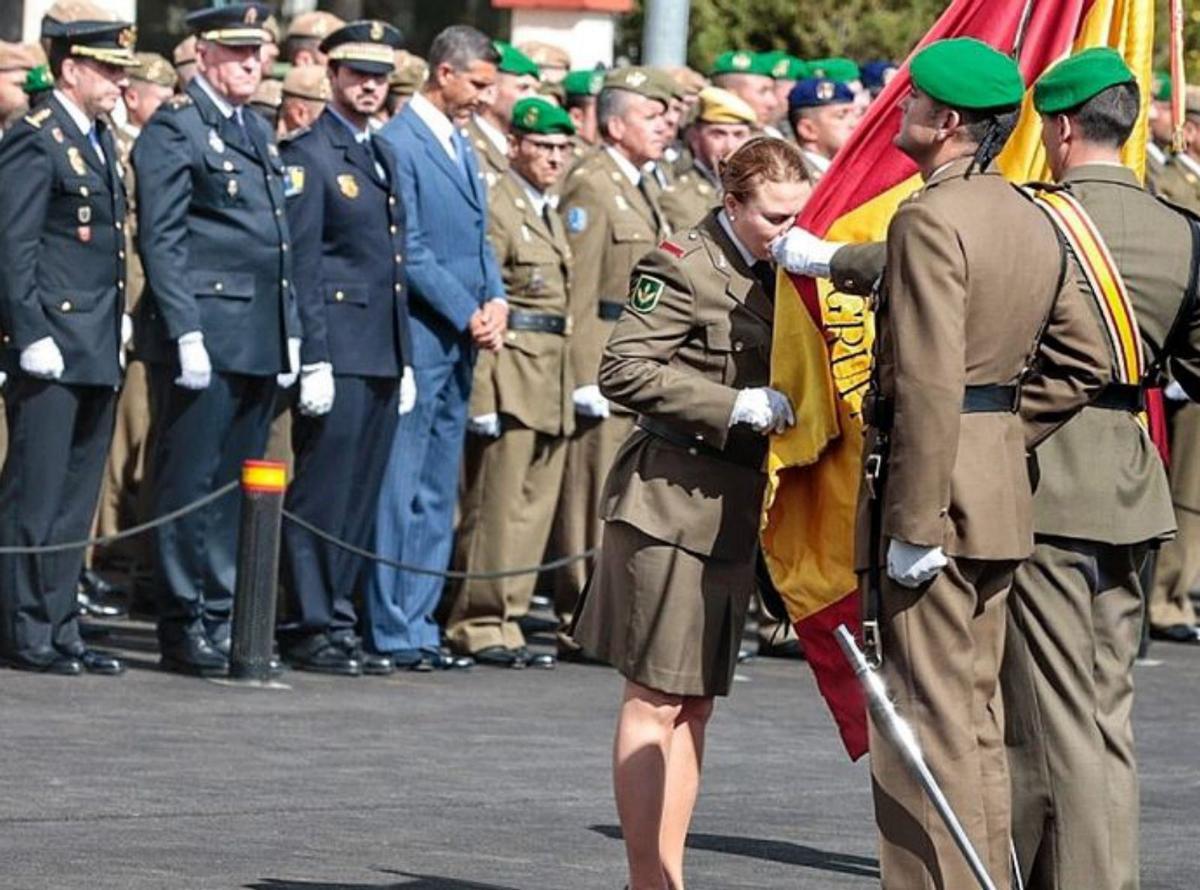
<point>684,762</point>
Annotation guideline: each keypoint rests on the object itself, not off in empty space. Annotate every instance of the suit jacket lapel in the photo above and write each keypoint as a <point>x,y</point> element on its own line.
<point>356,153</point>
<point>434,149</point>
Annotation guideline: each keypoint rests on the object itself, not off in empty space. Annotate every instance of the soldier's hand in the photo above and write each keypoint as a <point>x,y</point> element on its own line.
<point>195,370</point>
<point>408,392</point>
<point>589,403</point>
<point>496,311</point>
<point>763,409</point>
<point>910,565</point>
<point>316,389</point>
<point>3,379</point>
<point>485,329</point>
<point>803,253</point>
<point>42,359</point>
<point>287,379</point>
<point>1175,393</point>
<point>485,425</point>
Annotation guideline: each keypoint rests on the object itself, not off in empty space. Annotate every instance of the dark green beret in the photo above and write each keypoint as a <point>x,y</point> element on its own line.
<point>513,61</point>
<point>838,68</point>
<point>786,67</point>
<point>742,62</point>
<point>967,73</point>
<point>1077,78</point>
<point>38,80</point>
<point>587,82</point>
<point>537,115</point>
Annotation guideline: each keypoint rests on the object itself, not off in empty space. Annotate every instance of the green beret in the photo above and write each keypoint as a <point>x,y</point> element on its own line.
<point>742,62</point>
<point>1162,86</point>
<point>513,61</point>
<point>1077,78</point>
<point>588,82</point>
<point>537,115</point>
<point>838,68</point>
<point>967,73</point>
<point>38,80</point>
<point>786,67</point>
<point>637,79</point>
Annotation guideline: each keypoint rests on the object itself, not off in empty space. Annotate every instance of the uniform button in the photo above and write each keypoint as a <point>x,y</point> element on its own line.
<point>120,254</point>
<point>65,306</point>
<point>278,212</point>
<point>83,191</point>
<point>399,287</point>
<point>339,296</point>
<point>399,258</point>
<point>283,283</point>
<point>693,451</point>
<point>737,346</point>
<point>121,284</point>
<point>118,225</point>
<point>218,287</point>
<point>392,229</point>
<point>283,247</point>
<point>227,166</point>
<point>392,201</point>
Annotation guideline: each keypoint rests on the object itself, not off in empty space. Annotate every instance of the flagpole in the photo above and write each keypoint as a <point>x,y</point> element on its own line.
<point>1022,29</point>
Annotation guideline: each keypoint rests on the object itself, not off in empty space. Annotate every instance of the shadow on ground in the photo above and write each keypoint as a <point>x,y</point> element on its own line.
<point>783,852</point>
<point>414,882</point>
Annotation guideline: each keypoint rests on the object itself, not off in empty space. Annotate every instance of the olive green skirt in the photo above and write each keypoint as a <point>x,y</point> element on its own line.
<point>665,617</point>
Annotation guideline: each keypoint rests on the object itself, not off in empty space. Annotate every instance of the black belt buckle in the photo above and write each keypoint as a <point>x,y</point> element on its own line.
<point>872,470</point>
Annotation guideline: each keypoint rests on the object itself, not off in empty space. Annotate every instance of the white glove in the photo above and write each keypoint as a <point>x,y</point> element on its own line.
<point>126,330</point>
<point>911,566</point>
<point>408,392</point>
<point>3,379</point>
<point>1175,392</point>
<point>42,359</point>
<point>803,253</point>
<point>195,370</point>
<point>316,389</point>
<point>485,425</point>
<point>589,403</point>
<point>287,379</point>
<point>763,409</point>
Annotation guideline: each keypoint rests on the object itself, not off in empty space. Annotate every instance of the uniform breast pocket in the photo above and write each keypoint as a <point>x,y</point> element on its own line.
<point>346,294</point>
<point>211,284</point>
<point>739,353</point>
<point>224,176</point>
<point>631,242</point>
<point>531,269</point>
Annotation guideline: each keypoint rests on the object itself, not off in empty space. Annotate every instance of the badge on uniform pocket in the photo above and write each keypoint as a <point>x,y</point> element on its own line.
<point>84,215</point>
<point>644,294</point>
<point>577,220</point>
<point>215,142</point>
<point>348,185</point>
<point>75,159</point>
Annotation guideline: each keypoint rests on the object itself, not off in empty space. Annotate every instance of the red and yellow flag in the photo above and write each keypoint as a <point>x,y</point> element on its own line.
<point>822,344</point>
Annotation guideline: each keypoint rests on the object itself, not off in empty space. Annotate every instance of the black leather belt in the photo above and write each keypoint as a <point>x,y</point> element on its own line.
<point>1121,397</point>
<point>543,322</point>
<point>751,458</point>
<point>610,311</point>
<point>988,398</point>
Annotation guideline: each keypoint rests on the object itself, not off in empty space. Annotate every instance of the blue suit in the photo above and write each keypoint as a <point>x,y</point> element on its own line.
<point>451,271</point>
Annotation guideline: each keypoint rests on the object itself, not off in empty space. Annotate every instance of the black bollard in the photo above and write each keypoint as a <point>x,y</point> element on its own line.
<point>263,485</point>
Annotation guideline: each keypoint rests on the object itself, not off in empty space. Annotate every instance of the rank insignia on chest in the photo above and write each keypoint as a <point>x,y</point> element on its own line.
<point>231,188</point>
<point>215,142</point>
<point>293,181</point>
<point>75,159</point>
<point>577,219</point>
<point>622,204</point>
<point>644,294</point>
<point>525,234</point>
<point>348,185</point>
<point>57,133</point>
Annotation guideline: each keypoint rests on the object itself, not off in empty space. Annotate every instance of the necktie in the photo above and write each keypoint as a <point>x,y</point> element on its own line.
<point>241,125</point>
<point>94,141</point>
<point>765,273</point>
<point>460,154</point>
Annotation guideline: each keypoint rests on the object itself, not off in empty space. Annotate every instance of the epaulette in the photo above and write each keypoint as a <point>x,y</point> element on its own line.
<point>691,242</point>
<point>179,100</point>
<point>37,118</point>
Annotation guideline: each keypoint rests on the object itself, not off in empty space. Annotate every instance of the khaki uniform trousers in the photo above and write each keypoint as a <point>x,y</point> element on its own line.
<point>512,487</point>
<point>1178,565</point>
<point>577,523</point>
<point>942,646</point>
<point>123,499</point>
<point>1073,632</point>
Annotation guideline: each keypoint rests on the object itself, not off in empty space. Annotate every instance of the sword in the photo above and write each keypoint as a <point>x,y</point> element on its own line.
<point>901,735</point>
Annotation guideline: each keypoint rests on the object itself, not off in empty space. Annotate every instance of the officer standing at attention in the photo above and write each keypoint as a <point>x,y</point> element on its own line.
<point>823,115</point>
<point>218,322</point>
<point>347,226</point>
<point>62,303</point>
<point>1102,500</point>
<point>691,354</point>
<point>723,122</point>
<point>612,221</point>
<point>521,410</point>
<point>972,274</point>
<point>516,79</point>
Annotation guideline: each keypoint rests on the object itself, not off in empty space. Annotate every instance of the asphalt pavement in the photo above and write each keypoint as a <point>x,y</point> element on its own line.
<point>487,780</point>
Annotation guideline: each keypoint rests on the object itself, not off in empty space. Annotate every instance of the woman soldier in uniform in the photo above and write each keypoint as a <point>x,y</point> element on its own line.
<point>691,355</point>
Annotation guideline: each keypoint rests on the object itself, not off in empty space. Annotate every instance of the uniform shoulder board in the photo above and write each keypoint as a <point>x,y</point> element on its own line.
<point>38,117</point>
<point>669,246</point>
<point>179,100</point>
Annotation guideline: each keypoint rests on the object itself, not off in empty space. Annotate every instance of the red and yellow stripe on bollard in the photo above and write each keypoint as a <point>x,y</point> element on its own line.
<point>264,483</point>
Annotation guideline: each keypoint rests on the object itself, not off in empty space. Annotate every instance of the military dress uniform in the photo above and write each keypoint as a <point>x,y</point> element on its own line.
<point>681,505</point>
<point>611,224</point>
<point>493,161</point>
<point>347,225</point>
<point>62,284</point>
<point>513,479</point>
<point>214,240</point>
<point>951,357</point>
<point>690,197</point>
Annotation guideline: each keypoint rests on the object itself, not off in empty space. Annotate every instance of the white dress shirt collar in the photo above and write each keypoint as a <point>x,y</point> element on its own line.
<point>432,116</point>
<point>626,166</point>
<point>81,120</point>
<point>223,105</point>
<point>747,256</point>
<point>817,160</point>
<point>538,199</point>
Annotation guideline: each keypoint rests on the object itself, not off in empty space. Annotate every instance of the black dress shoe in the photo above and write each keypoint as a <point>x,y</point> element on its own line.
<point>541,660</point>
<point>1176,633</point>
<point>100,599</point>
<point>445,660</point>
<point>194,655</point>
<point>576,655</point>
<point>348,643</point>
<point>791,649</point>
<point>95,662</point>
<point>326,659</point>
<point>498,656</point>
<point>55,663</point>
<point>376,664</point>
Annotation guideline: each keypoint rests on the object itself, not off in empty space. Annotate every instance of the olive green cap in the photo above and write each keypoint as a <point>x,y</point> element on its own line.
<point>637,79</point>
<point>1078,78</point>
<point>967,73</point>
<point>785,66</point>
<point>588,82</point>
<point>513,61</point>
<point>38,79</point>
<point>837,68</point>
<point>153,68</point>
<point>534,114</point>
<point>741,61</point>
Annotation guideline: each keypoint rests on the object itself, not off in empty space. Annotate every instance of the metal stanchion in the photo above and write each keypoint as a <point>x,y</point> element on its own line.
<point>263,485</point>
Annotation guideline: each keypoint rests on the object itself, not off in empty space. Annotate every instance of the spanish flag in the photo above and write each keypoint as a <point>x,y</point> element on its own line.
<point>822,345</point>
